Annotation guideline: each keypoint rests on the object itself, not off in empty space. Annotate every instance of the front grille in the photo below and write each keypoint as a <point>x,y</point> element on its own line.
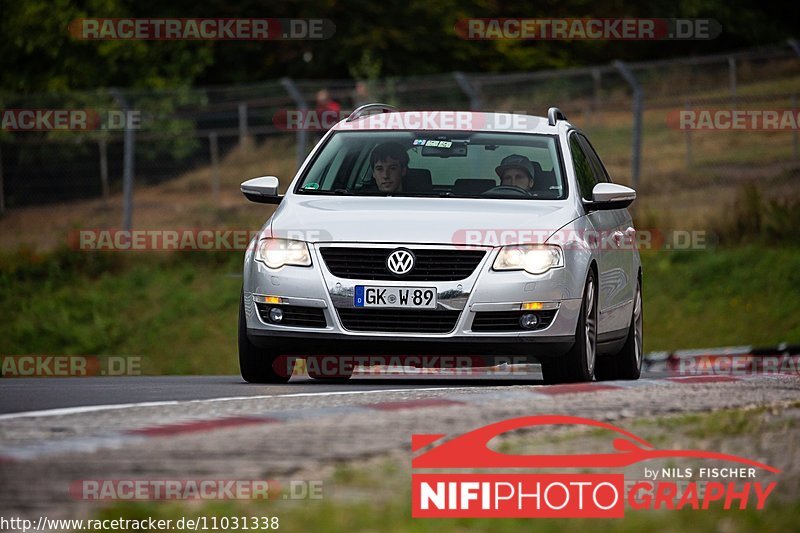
<point>399,320</point>
<point>509,320</point>
<point>294,315</point>
<point>430,265</point>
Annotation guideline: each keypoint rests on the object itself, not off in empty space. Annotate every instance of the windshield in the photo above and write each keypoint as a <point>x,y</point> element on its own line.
<point>407,163</point>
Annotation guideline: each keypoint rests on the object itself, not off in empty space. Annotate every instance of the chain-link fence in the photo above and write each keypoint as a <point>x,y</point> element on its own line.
<point>625,108</point>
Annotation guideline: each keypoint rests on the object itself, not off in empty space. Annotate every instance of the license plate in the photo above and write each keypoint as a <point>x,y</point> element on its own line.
<point>402,297</point>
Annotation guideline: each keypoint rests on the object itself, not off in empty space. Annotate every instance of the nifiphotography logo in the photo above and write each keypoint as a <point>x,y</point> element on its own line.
<point>467,494</point>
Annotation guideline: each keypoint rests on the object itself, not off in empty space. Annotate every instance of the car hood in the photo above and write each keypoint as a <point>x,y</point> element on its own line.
<point>419,220</point>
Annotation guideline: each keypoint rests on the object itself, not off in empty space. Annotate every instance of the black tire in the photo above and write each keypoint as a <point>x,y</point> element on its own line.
<point>577,365</point>
<point>256,364</point>
<point>627,364</point>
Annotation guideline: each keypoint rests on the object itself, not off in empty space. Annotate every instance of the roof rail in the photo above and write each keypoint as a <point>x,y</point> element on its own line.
<point>366,108</point>
<point>554,114</point>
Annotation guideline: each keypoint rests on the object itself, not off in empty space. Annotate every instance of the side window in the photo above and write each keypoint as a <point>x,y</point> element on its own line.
<point>599,170</point>
<point>583,168</point>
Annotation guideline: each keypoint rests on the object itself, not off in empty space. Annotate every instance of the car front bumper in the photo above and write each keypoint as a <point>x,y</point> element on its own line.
<point>484,291</point>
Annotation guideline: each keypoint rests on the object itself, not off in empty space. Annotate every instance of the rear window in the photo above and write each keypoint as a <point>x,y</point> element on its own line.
<point>407,163</point>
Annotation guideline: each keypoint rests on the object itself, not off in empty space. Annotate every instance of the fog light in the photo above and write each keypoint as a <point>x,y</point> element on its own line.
<point>275,315</point>
<point>528,321</point>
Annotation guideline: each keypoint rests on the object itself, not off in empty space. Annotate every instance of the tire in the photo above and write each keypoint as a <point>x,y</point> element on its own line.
<point>577,365</point>
<point>256,364</point>
<point>627,364</point>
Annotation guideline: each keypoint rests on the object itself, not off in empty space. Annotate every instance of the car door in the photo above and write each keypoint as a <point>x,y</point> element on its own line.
<point>602,223</point>
<point>619,282</point>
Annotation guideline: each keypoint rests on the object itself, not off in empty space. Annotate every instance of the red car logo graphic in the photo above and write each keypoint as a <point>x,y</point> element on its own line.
<point>471,450</point>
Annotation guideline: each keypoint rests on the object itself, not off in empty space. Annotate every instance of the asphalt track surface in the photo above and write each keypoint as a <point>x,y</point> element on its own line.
<point>40,394</point>
<point>37,394</point>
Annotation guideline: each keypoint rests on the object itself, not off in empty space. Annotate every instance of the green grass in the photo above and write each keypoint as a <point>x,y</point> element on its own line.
<point>723,424</point>
<point>179,311</point>
<point>723,296</point>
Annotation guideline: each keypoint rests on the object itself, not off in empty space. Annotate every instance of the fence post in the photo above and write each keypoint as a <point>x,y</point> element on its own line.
<point>213,147</point>
<point>596,88</point>
<point>795,45</point>
<point>688,138</point>
<point>638,98</point>
<point>242,124</point>
<point>732,79</point>
<point>300,102</point>
<point>128,163</point>
<point>2,189</point>
<point>471,89</point>
<point>795,150</point>
<point>102,145</point>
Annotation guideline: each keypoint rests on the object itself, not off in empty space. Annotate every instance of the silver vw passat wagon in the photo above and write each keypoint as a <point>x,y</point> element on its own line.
<point>481,234</point>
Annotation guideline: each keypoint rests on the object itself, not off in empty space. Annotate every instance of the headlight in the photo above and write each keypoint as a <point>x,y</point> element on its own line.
<point>532,258</point>
<point>276,253</point>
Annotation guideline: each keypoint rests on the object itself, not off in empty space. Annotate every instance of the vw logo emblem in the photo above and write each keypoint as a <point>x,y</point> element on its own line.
<point>400,262</point>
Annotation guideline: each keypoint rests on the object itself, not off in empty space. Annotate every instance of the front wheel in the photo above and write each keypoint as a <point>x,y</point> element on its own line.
<point>627,364</point>
<point>256,365</point>
<point>578,363</point>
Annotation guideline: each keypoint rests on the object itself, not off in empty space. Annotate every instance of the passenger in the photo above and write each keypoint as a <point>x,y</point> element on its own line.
<point>516,171</point>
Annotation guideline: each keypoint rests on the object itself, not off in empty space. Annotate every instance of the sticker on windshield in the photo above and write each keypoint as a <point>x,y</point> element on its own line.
<point>432,142</point>
<point>311,186</point>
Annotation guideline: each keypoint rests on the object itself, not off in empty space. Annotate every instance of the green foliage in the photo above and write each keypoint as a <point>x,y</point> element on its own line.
<point>372,39</point>
<point>39,53</point>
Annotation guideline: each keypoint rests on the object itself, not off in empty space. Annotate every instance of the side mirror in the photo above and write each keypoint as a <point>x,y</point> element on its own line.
<point>263,190</point>
<point>607,196</point>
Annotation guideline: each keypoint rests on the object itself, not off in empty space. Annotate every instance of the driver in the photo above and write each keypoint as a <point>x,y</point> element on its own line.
<point>389,162</point>
<point>516,171</point>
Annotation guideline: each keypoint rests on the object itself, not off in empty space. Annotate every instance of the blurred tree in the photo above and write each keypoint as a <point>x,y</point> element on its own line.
<point>37,52</point>
<point>412,37</point>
